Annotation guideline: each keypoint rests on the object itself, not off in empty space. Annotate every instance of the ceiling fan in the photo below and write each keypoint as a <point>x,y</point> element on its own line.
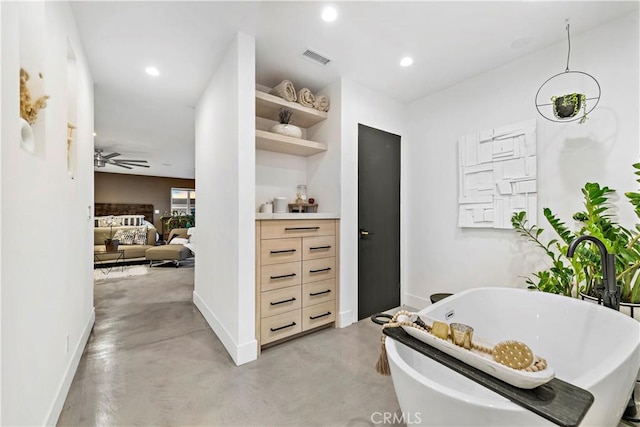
<point>101,160</point>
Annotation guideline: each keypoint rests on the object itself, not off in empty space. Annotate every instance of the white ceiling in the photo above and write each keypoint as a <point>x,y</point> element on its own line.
<point>153,118</point>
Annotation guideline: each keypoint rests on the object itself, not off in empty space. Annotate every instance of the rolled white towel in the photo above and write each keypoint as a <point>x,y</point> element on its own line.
<point>321,103</point>
<point>305,97</point>
<point>285,90</point>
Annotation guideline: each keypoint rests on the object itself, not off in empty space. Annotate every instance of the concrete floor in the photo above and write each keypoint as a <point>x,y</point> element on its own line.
<point>153,360</point>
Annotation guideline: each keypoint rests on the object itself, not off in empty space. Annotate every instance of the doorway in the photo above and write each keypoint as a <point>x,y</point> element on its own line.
<point>378,221</point>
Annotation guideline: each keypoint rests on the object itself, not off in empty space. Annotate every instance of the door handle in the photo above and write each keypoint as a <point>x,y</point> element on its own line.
<point>364,232</point>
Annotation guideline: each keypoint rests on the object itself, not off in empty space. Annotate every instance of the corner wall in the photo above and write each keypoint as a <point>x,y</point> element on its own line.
<point>365,106</point>
<point>445,258</point>
<point>46,265</point>
<point>225,186</point>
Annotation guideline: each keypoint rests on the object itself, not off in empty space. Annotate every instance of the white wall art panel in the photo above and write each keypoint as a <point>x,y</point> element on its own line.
<point>497,176</point>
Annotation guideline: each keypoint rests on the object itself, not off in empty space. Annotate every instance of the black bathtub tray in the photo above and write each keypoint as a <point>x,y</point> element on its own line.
<point>557,401</point>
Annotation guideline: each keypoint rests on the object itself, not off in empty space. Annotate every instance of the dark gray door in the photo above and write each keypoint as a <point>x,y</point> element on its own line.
<point>378,221</point>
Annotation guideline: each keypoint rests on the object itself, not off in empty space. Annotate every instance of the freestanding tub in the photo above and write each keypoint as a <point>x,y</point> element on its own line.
<point>590,346</point>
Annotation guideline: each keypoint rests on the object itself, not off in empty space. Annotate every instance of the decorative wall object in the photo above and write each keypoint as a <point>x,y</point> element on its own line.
<point>28,112</point>
<point>562,96</point>
<point>70,128</point>
<point>497,176</point>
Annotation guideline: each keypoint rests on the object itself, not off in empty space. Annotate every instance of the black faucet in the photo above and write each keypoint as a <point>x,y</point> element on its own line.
<point>608,291</point>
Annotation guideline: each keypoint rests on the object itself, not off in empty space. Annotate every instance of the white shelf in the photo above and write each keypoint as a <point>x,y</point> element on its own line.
<point>270,141</point>
<point>268,106</point>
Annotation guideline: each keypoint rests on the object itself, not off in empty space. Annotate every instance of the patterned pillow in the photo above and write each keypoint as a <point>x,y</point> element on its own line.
<point>140,236</point>
<point>126,237</point>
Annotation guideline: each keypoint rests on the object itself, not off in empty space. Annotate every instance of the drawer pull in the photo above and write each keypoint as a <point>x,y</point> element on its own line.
<point>313,294</point>
<point>320,270</point>
<point>283,301</point>
<point>319,247</point>
<point>284,251</point>
<point>283,327</point>
<point>283,276</point>
<point>328,313</point>
<point>301,228</point>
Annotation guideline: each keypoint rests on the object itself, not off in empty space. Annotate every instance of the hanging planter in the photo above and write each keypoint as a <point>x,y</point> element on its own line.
<point>568,106</point>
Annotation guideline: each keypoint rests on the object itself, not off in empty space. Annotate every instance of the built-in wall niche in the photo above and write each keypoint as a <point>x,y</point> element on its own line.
<point>72,111</point>
<point>31,44</point>
<point>497,176</point>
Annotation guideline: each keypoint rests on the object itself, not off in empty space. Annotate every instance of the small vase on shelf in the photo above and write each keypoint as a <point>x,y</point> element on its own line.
<point>285,127</point>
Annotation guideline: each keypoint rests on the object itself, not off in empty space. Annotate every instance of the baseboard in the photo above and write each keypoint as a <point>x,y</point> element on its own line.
<point>345,318</point>
<point>72,367</point>
<point>240,354</point>
<point>416,301</point>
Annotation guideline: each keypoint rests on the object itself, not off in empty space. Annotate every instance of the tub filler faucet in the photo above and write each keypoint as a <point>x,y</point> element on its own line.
<point>608,290</point>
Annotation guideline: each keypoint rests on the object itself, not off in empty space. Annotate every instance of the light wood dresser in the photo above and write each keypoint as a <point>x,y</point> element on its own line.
<point>296,277</point>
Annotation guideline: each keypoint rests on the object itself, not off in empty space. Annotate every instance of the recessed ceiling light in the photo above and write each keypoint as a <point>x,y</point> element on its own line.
<point>406,61</point>
<point>152,71</point>
<point>329,14</point>
<point>95,134</point>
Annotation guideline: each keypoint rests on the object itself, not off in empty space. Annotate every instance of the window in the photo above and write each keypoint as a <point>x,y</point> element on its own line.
<point>183,200</point>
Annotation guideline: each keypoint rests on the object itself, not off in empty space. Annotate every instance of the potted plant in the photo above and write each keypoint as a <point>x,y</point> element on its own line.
<point>111,244</point>
<point>180,219</point>
<point>285,127</point>
<point>568,106</point>
<point>577,276</point>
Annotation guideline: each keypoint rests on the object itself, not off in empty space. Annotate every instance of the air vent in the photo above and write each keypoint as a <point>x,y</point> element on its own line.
<point>316,57</point>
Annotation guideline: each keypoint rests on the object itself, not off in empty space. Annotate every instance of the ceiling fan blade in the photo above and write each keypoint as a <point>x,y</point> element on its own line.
<point>122,166</point>
<point>131,164</point>
<point>109,156</point>
<point>131,161</point>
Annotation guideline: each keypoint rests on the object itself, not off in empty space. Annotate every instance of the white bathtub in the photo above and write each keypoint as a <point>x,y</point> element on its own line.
<point>590,346</point>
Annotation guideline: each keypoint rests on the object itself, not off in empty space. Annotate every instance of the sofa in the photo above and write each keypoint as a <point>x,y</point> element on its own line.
<point>131,252</point>
<point>176,250</point>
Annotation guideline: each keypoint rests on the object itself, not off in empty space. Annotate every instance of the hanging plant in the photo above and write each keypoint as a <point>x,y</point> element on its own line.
<point>568,106</point>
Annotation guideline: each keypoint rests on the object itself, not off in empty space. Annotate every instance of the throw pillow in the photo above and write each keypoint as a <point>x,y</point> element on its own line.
<point>178,241</point>
<point>140,236</point>
<point>126,237</point>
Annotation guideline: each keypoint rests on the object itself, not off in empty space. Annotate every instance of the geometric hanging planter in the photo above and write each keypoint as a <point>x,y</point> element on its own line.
<point>568,96</point>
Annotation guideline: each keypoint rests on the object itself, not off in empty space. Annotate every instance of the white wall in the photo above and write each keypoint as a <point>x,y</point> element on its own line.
<point>362,106</point>
<point>323,169</point>
<point>444,258</point>
<point>47,236</point>
<point>225,183</point>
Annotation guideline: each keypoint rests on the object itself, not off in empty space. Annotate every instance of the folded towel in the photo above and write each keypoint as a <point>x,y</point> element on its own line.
<point>305,97</point>
<point>321,103</point>
<point>285,90</point>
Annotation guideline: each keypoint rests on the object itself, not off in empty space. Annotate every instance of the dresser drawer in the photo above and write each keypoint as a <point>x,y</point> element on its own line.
<point>315,270</point>
<point>277,276</point>
<point>277,251</point>
<point>280,326</point>
<point>278,229</point>
<point>318,315</point>
<point>318,247</point>
<point>280,301</point>
<point>318,292</point>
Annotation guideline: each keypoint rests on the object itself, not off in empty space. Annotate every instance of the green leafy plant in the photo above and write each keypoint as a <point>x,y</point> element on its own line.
<point>567,106</point>
<point>572,276</point>
<point>180,219</point>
